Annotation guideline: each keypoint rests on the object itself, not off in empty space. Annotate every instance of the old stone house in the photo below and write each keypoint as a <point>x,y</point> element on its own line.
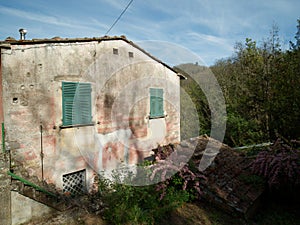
<point>71,108</point>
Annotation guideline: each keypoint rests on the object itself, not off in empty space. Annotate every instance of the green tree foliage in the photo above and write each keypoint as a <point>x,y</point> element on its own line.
<point>193,102</point>
<point>260,84</point>
<point>295,46</point>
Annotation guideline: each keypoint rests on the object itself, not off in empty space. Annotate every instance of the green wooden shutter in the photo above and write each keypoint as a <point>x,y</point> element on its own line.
<point>160,102</point>
<point>82,104</point>
<point>156,103</point>
<point>76,103</point>
<point>68,92</point>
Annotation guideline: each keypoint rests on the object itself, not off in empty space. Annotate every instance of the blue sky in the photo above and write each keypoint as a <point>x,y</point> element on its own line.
<point>208,28</point>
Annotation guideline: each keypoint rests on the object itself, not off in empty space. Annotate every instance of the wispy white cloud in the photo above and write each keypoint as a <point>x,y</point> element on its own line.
<point>33,16</point>
<point>47,19</point>
<point>210,39</point>
<point>208,27</point>
<point>169,52</point>
<point>97,23</point>
<point>181,15</point>
<point>118,4</point>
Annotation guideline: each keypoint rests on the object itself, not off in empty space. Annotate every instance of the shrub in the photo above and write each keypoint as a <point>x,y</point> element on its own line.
<point>279,165</point>
<point>186,177</point>
<point>241,131</point>
<point>148,204</point>
<point>137,204</point>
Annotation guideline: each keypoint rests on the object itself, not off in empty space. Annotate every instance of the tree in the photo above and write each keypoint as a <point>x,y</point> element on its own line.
<point>294,46</point>
<point>260,84</point>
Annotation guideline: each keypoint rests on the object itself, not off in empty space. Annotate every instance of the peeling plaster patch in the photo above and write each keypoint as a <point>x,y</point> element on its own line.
<point>24,102</point>
<point>121,136</point>
<point>12,145</point>
<point>156,134</point>
<point>30,155</point>
<point>126,154</point>
<point>157,129</point>
<point>124,171</point>
<point>117,147</point>
<point>112,155</point>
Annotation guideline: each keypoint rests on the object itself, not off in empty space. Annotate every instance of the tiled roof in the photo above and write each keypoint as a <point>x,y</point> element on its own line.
<point>13,41</point>
<point>230,185</point>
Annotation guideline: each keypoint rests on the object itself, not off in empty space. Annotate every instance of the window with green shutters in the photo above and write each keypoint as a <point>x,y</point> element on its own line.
<point>76,103</point>
<point>156,102</point>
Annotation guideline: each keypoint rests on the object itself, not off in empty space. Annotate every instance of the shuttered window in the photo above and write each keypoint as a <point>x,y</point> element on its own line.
<point>76,102</point>
<point>156,103</point>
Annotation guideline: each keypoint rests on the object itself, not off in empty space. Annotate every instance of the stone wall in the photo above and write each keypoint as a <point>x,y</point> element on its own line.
<point>5,201</point>
<point>24,209</point>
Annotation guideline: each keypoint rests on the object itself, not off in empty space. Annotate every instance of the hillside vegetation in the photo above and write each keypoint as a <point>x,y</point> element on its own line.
<point>260,84</point>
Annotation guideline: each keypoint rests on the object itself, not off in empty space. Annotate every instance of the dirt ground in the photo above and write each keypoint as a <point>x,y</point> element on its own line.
<point>188,214</point>
<point>74,216</point>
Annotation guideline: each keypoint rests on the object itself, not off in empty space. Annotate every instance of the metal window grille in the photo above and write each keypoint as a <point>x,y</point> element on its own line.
<point>74,183</point>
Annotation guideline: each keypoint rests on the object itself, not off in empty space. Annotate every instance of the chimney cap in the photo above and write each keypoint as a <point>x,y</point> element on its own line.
<point>22,31</point>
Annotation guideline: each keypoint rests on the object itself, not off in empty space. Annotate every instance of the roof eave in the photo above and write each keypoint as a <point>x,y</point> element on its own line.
<point>7,45</point>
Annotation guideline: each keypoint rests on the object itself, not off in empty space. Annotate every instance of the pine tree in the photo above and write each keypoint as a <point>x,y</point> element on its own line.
<point>296,45</point>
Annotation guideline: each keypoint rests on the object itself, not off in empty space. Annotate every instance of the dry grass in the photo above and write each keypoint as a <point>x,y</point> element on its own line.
<point>188,214</point>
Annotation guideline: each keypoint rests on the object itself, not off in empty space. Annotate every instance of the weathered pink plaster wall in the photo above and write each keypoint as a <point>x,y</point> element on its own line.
<point>122,133</point>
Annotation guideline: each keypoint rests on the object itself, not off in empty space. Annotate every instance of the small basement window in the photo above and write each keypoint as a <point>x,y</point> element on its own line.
<point>74,183</point>
<point>156,103</point>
